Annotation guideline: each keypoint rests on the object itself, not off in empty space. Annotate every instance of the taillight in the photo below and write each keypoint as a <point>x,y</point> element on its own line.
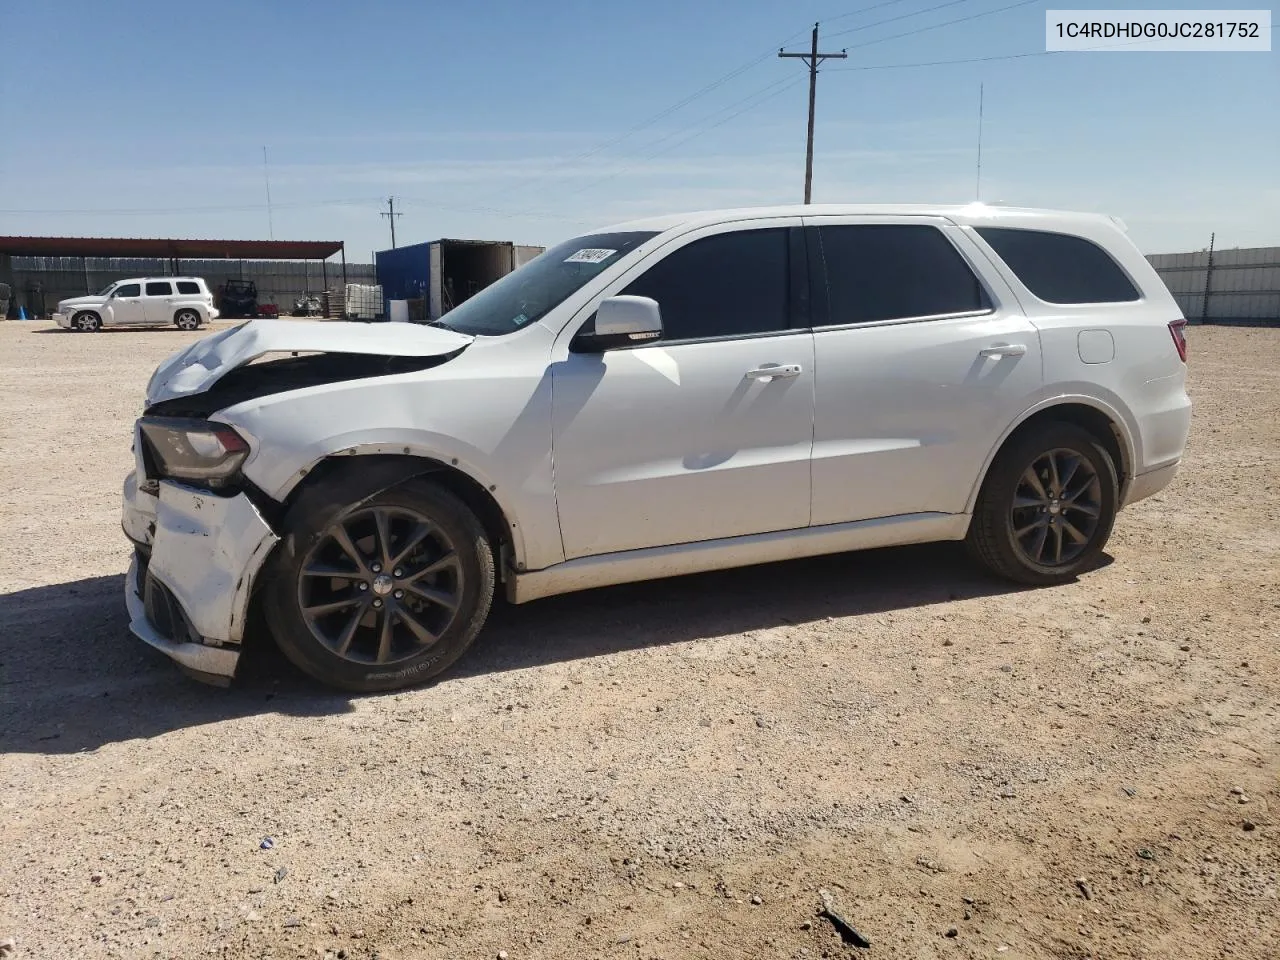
<point>1178,332</point>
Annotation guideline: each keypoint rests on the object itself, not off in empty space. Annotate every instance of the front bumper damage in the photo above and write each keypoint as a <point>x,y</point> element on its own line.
<point>197,556</point>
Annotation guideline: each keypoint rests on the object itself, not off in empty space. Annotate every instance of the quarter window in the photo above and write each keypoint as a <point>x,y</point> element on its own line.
<point>895,272</point>
<point>159,290</point>
<point>129,290</point>
<point>188,286</point>
<point>726,285</point>
<point>1060,268</point>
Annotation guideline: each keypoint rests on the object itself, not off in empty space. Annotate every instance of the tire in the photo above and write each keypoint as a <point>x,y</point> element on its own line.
<point>1020,498</point>
<point>186,320</point>
<point>86,322</point>
<point>348,646</point>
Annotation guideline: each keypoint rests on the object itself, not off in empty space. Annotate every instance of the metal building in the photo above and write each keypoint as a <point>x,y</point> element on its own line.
<point>1240,286</point>
<point>44,270</point>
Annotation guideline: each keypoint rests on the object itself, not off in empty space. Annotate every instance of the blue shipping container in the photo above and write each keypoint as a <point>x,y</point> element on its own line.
<point>405,272</point>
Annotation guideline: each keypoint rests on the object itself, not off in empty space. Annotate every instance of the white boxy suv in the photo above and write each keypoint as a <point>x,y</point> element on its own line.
<point>662,397</point>
<point>144,302</point>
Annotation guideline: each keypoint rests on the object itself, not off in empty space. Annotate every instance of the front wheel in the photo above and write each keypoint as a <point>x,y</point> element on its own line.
<point>186,320</point>
<point>382,594</point>
<point>1046,507</point>
<point>86,322</point>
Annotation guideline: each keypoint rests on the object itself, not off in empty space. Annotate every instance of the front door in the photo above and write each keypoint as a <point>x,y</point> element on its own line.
<point>157,302</point>
<point>921,365</point>
<point>126,306</point>
<point>707,432</point>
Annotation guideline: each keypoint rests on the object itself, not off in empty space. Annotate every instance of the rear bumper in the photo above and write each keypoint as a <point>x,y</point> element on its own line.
<point>197,558</point>
<point>1144,485</point>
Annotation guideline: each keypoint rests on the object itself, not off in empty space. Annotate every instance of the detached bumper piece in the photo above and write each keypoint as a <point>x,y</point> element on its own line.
<point>189,588</point>
<point>156,618</point>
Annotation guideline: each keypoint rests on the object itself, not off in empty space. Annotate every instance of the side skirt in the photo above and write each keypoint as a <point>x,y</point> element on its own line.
<point>585,573</point>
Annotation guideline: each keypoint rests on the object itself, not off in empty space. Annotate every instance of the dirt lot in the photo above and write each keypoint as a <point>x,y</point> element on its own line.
<point>663,770</point>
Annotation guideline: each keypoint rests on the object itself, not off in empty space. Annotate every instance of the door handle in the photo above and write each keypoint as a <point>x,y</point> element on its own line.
<point>768,372</point>
<point>1004,350</point>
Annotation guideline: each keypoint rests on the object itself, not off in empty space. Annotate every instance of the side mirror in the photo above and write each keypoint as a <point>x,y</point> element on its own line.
<point>621,321</point>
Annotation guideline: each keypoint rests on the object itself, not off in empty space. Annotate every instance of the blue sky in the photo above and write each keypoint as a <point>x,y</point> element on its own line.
<point>536,121</point>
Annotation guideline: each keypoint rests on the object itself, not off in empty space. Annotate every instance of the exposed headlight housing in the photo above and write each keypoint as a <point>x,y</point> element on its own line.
<point>201,451</point>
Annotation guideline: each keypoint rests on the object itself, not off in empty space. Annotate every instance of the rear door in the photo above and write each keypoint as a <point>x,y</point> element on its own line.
<point>157,301</point>
<point>921,362</point>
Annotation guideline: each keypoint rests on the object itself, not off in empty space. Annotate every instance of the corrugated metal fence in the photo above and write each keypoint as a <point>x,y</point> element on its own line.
<point>1242,285</point>
<point>279,281</point>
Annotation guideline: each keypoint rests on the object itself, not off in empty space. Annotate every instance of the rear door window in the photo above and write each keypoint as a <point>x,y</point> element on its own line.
<point>893,272</point>
<point>188,286</point>
<point>726,285</point>
<point>159,289</point>
<point>1060,268</point>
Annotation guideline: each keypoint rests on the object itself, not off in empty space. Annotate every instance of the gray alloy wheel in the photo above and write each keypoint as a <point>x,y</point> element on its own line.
<point>1046,507</point>
<point>380,584</point>
<point>86,322</point>
<point>1056,508</point>
<point>187,320</point>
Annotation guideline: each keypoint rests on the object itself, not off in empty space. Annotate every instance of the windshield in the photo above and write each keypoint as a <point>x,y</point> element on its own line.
<point>109,288</point>
<point>527,294</point>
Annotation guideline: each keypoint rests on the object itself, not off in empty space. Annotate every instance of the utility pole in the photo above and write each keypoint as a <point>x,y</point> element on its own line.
<point>1208,280</point>
<point>812,59</point>
<point>391,215</point>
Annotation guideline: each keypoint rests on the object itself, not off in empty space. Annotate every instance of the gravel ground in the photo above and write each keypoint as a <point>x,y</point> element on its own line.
<point>671,769</point>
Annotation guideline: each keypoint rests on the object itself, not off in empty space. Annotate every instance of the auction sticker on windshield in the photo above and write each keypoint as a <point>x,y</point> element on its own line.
<point>591,255</point>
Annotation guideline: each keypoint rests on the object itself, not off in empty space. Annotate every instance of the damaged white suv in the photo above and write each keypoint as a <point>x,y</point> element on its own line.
<point>663,397</point>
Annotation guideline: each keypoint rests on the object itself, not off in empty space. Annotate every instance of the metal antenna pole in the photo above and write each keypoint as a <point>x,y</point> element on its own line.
<point>812,59</point>
<point>266,175</point>
<point>977,190</point>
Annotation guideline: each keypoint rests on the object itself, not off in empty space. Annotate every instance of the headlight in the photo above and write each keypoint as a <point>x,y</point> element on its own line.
<point>200,450</point>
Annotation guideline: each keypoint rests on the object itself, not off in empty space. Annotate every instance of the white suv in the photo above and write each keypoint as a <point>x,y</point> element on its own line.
<point>144,302</point>
<point>658,398</point>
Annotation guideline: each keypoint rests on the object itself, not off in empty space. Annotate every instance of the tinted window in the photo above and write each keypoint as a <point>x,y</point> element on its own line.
<point>188,286</point>
<point>890,272</point>
<point>1059,268</point>
<point>129,290</point>
<point>726,285</point>
<point>159,290</point>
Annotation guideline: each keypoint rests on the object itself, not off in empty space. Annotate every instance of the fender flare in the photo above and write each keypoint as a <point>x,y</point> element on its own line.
<point>397,463</point>
<point>1117,419</point>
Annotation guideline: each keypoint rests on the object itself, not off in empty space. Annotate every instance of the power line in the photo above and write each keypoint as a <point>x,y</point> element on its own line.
<point>774,89</point>
<point>938,26</point>
<point>627,134</point>
<point>859,11</point>
<point>904,16</point>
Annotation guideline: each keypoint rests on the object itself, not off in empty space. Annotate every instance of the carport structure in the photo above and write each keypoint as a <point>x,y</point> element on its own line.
<point>56,273</point>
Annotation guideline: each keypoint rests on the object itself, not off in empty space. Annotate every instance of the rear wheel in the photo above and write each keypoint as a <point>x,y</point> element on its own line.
<point>382,594</point>
<point>186,320</point>
<point>1046,507</point>
<point>86,322</point>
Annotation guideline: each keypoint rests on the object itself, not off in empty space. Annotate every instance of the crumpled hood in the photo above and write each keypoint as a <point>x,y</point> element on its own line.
<point>196,368</point>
